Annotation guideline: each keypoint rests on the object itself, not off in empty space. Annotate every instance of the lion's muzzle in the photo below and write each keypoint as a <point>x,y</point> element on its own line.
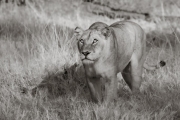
<point>85,58</point>
<point>86,53</point>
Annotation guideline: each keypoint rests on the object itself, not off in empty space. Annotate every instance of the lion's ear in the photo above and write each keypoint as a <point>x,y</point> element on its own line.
<point>78,31</point>
<point>106,31</point>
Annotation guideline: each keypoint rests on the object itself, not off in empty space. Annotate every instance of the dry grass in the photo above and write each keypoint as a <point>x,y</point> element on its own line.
<point>35,47</point>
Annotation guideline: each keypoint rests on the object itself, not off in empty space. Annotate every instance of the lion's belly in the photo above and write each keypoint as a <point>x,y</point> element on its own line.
<point>122,63</point>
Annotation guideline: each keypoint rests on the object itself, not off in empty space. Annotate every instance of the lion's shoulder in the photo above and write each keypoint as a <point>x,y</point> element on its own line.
<point>125,25</point>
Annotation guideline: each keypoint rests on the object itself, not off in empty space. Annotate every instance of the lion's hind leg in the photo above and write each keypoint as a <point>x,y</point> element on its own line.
<point>132,73</point>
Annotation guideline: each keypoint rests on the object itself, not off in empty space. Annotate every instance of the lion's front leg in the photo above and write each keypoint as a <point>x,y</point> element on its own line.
<point>111,85</point>
<point>95,87</point>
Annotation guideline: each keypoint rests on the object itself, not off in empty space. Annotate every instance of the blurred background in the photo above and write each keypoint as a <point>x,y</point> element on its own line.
<point>84,12</point>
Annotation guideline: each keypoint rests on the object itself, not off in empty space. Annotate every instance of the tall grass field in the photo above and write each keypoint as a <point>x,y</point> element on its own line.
<point>42,78</point>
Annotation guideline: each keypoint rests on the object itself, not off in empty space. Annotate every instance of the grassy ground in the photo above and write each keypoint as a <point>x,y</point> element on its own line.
<point>37,46</point>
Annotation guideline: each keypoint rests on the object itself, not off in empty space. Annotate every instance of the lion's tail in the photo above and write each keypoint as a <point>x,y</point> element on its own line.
<point>154,67</point>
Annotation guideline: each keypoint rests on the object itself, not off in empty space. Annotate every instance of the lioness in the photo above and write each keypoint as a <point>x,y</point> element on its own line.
<point>107,50</point>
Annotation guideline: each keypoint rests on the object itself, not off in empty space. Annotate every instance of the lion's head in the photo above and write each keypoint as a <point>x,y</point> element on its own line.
<point>92,42</point>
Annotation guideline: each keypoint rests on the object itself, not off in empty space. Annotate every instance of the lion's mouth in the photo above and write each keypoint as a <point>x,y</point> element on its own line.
<point>86,60</point>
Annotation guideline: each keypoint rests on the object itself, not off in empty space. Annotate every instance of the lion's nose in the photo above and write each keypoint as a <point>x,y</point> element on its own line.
<point>86,53</point>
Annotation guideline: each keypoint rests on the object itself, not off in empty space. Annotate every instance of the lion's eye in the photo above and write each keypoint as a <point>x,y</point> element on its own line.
<point>81,41</point>
<point>95,41</point>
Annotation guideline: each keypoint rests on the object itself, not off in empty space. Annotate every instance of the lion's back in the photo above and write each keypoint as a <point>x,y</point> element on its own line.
<point>129,32</point>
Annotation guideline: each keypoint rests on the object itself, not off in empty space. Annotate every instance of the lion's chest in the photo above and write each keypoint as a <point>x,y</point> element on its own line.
<point>99,70</point>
